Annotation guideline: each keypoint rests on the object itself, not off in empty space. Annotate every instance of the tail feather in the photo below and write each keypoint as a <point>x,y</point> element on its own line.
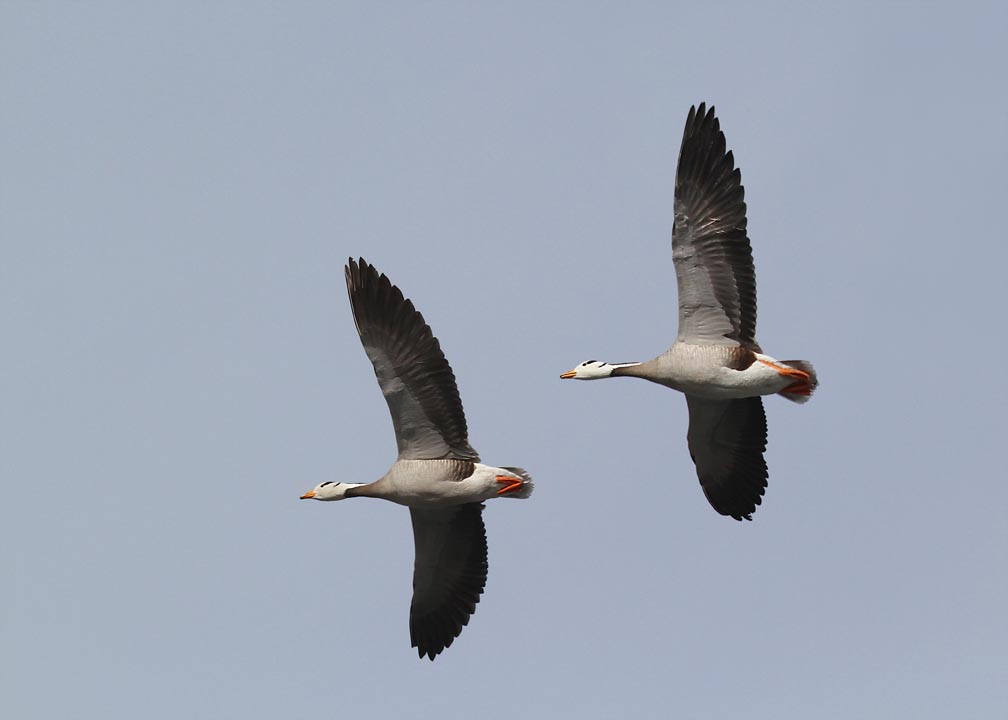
<point>800,392</point>
<point>527,485</point>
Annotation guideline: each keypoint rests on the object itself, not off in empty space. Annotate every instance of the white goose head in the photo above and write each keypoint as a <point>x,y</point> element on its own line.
<point>590,370</point>
<point>329,491</point>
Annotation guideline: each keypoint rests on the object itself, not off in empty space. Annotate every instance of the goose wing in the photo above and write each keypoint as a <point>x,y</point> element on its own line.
<point>713,258</point>
<point>449,573</point>
<point>727,439</point>
<point>414,375</point>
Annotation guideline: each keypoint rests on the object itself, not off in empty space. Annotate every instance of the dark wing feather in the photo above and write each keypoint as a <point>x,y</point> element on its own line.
<point>414,376</point>
<point>449,573</point>
<point>713,258</point>
<point>727,439</point>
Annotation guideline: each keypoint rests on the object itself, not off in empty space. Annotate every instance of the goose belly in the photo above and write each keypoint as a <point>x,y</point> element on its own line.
<point>727,384</point>
<point>441,483</point>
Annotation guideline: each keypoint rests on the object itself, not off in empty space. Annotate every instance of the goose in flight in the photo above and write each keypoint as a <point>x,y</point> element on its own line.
<point>715,360</point>
<point>437,475</point>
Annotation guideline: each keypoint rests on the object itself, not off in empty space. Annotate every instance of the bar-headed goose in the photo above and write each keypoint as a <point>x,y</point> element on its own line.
<point>715,360</point>
<point>438,475</point>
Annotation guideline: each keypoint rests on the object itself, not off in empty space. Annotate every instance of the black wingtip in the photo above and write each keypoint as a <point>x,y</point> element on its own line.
<point>701,121</point>
<point>428,652</point>
<point>743,494</point>
<point>361,273</point>
<point>432,641</point>
<point>357,268</point>
<point>740,502</point>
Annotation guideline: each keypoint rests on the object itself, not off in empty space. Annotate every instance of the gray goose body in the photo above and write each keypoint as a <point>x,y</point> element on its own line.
<point>715,360</point>
<point>437,474</point>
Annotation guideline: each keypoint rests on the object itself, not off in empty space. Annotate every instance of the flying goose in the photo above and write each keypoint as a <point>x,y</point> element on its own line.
<point>437,475</point>
<point>715,360</point>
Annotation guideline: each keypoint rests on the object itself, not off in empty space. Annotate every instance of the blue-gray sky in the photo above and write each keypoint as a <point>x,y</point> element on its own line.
<point>181,185</point>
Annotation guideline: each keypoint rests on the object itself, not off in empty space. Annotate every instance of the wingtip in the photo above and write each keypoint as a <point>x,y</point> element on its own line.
<point>700,110</point>
<point>428,647</point>
<point>426,652</point>
<point>358,265</point>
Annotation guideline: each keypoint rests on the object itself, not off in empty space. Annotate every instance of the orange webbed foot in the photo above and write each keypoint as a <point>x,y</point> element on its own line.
<point>510,483</point>
<point>802,387</point>
<point>799,375</point>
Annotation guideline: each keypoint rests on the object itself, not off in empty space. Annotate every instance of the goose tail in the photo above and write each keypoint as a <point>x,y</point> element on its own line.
<point>527,485</point>
<point>801,389</point>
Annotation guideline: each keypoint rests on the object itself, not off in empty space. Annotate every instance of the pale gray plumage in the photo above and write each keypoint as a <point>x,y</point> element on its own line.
<point>715,359</point>
<point>717,306</point>
<point>413,374</point>
<point>713,258</point>
<point>437,474</point>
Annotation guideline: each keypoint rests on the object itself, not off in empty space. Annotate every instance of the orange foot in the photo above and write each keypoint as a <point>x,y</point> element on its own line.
<point>800,376</point>
<point>511,484</point>
<point>802,387</point>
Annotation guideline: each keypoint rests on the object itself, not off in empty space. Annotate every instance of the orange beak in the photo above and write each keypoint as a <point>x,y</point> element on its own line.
<point>308,495</point>
<point>568,375</point>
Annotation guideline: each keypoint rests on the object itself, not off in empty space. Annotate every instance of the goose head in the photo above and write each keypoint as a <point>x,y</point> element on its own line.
<point>328,491</point>
<point>590,370</point>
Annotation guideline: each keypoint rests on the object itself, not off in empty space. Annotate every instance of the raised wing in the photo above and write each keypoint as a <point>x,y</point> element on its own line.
<point>414,376</point>
<point>449,573</point>
<point>727,439</point>
<point>713,258</point>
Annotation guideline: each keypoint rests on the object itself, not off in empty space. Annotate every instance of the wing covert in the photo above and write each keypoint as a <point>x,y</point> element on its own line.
<point>449,573</point>
<point>712,254</point>
<point>727,439</point>
<point>414,376</point>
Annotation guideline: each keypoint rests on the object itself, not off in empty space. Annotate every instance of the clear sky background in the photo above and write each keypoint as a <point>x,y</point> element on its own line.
<point>181,186</point>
